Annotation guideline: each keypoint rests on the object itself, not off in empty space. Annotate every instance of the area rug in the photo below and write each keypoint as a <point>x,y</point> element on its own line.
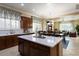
<point>65,43</point>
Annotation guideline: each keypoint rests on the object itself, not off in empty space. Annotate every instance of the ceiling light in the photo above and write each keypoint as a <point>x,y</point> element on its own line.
<point>33,9</point>
<point>48,4</point>
<point>22,4</point>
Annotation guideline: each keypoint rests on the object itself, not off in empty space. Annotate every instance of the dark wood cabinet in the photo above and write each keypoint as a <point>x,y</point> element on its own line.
<point>11,41</point>
<point>34,51</point>
<point>2,43</point>
<point>26,22</point>
<point>28,48</point>
<point>30,23</point>
<point>38,51</point>
<point>15,40</point>
<point>21,47</point>
<point>8,41</point>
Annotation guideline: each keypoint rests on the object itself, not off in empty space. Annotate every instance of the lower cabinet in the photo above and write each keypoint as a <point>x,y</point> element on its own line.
<point>38,52</point>
<point>2,43</point>
<point>21,47</point>
<point>34,51</point>
<point>8,41</point>
<point>27,48</point>
<point>11,41</point>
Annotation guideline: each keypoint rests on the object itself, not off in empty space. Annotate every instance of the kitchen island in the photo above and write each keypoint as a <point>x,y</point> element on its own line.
<point>29,45</point>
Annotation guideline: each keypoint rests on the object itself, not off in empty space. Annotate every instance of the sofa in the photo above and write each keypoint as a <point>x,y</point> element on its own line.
<point>72,34</point>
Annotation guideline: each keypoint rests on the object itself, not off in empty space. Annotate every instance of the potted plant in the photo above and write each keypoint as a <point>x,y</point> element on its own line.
<point>77,29</point>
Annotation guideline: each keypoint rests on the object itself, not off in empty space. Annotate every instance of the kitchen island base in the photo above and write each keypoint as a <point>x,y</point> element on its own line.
<point>29,48</point>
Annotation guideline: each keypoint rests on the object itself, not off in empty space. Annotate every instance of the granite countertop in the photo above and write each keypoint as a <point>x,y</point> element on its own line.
<point>49,41</point>
<point>8,34</point>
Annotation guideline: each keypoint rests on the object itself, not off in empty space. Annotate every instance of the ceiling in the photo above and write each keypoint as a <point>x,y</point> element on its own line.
<point>46,10</point>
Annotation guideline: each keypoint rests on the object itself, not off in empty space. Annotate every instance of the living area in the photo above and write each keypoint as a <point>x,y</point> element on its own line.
<point>70,25</point>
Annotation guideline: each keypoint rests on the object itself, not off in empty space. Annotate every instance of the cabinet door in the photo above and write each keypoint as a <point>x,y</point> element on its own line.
<point>15,40</point>
<point>21,47</point>
<point>21,23</point>
<point>38,50</point>
<point>26,48</point>
<point>30,23</point>
<point>26,22</point>
<point>9,41</point>
<point>34,51</point>
<point>2,43</point>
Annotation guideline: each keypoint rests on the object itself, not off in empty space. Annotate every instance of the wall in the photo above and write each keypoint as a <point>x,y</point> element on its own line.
<point>75,22</point>
<point>56,25</point>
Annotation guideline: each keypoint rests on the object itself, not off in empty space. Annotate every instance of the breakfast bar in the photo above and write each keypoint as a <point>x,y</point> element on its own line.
<point>30,45</point>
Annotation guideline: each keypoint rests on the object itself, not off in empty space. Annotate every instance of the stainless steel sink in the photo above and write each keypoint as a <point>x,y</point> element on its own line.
<point>39,37</point>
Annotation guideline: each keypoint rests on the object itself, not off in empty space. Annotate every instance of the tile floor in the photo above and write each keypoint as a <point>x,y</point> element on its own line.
<point>13,51</point>
<point>72,49</point>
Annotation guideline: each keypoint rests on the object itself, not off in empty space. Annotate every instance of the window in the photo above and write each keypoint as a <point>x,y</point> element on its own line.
<point>66,27</point>
<point>36,24</point>
<point>17,24</point>
<point>7,24</point>
<point>13,24</point>
<point>9,19</point>
<point>2,24</point>
<point>36,27</point>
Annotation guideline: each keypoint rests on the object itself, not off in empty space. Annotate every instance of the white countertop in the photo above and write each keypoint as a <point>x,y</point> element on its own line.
<point>49,41</point>
<point>7,34</point>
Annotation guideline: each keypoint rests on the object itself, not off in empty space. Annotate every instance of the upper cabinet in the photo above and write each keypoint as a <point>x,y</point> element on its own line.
<point>30,23</point>
<point>26,22</point>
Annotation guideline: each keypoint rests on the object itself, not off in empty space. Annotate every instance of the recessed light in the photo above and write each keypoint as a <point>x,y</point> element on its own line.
<point>33,9</point>
<point>22,4</point>
<point>49,4</point>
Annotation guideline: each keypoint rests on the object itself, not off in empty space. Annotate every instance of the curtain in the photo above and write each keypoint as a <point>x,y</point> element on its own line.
<point>37,26</point>
<point>66,26</point>
<point>9,14</point>
<point>9,20</point>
